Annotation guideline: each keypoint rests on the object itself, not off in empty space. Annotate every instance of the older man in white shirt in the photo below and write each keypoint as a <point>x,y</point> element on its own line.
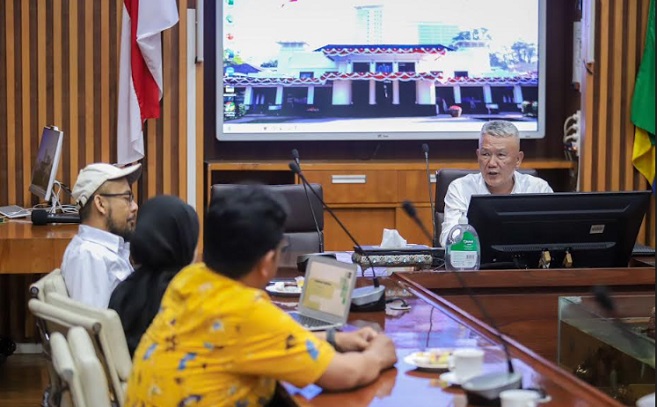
<point>98,258</point>
<point>499,157</point>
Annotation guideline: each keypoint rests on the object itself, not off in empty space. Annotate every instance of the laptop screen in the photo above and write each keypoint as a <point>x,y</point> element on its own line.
<point>328,286</point>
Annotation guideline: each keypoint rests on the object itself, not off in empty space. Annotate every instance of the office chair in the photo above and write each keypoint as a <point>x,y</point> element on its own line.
<point>51,282</point>
<point>444,177</point>
<point>75,360</point>
<point>52,320</point>
<point>107,334</point>
<point>63,363</point>
<point>300,228</point>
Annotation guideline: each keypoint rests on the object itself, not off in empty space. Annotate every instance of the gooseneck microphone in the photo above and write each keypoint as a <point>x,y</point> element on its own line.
<point>41,217</point>
<point>295,156</point>
<point>603,298</point>
<point>370,298</point>
<point>434,239</point>
<point>320,235</point>
<point>410,211</point>
<point>495,382</point>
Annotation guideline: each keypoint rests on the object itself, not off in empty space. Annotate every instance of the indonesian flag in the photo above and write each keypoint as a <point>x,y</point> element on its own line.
<point>140,71</point>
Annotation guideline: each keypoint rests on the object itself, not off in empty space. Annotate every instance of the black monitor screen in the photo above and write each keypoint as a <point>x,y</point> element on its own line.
<point>598,229</point>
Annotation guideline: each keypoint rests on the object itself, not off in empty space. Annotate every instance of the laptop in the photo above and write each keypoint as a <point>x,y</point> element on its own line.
<point>326,294</point>
<point>14,212</point>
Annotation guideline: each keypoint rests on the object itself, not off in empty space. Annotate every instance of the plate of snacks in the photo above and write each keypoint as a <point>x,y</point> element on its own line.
<point>431,359</point>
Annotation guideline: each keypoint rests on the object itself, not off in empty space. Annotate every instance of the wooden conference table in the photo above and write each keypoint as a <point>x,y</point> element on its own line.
<point>433,322</point>
<point>524,303</point>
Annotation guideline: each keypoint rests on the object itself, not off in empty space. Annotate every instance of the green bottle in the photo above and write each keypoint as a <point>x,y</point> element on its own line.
<point>463,252</point>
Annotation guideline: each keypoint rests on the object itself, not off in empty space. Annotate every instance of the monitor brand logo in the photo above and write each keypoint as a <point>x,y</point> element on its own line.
<point>597,229</point>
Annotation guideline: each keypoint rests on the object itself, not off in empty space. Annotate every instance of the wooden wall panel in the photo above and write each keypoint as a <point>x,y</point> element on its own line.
<point>59,65</point>
<point>608,133</point>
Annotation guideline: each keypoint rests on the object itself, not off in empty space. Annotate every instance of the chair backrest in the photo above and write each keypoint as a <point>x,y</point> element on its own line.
<point>50,321</point>
<point>111,345</point>
<point>300,226</point>
<point>444,177</point>
<point>51,282</point>
<point>77,365</point>
<point>92,376</point>
<point>67,371</point>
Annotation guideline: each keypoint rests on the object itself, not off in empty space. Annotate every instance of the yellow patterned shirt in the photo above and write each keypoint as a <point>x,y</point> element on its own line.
<point>217,342</point>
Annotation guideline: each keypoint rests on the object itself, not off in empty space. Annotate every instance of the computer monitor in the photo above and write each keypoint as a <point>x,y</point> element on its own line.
<point>47,162</point>
<point>598,229</point>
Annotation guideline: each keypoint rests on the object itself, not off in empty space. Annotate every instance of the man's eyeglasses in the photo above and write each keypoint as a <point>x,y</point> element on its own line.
<point>128,196</point>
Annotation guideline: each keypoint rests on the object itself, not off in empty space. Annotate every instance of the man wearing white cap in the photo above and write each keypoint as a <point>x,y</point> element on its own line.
<point>98,257</point>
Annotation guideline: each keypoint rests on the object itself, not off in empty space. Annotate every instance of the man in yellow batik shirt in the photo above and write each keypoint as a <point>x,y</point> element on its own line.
<point>219,341</point>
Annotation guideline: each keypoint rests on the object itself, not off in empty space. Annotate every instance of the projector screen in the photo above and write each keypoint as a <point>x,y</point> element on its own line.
<point>378,69</point>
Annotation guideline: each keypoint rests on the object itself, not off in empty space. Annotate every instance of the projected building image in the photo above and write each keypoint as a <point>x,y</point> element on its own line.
<point>442,74</point>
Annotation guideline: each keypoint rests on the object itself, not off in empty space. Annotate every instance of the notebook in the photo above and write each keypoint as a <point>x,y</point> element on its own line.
<point>326,294</point>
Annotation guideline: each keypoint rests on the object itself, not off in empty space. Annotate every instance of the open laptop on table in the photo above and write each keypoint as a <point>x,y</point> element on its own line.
<point>326,294</point>
<point>13,212</point>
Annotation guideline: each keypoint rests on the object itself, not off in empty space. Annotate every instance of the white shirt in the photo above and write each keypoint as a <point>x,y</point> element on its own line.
<point>459,192</point>
<point>95,262</point>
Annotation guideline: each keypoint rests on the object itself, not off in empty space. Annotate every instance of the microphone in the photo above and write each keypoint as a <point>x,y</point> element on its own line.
<point>42,217</point>
<point>434,239</point>
<point>371,298</point>
<point>320,235</point>
<point>487,386</point>
<point>409,208</point>
<point>603,298</point>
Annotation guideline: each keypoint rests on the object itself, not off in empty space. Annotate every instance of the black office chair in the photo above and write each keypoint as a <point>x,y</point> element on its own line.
<point>300,228</point>
<point>444,177</point>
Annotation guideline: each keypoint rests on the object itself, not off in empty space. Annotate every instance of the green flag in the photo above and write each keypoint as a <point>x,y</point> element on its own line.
<point>643,105</point>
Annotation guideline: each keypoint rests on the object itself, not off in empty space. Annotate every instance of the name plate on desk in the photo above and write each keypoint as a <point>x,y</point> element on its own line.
<point>414,255</point>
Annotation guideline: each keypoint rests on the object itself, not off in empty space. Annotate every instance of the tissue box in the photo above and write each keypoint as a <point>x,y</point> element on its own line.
<point>415,256</point>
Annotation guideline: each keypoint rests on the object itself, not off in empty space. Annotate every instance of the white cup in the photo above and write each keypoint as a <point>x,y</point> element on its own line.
<point>466,363</point>
<point>522,398</point>
<point>646,401</point>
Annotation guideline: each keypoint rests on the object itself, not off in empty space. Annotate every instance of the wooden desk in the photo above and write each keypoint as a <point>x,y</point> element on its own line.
<point>28,249</point>
<point>434,322</point>
<point>26,252</point>
<point>524,303</point>
<point>367,196</point>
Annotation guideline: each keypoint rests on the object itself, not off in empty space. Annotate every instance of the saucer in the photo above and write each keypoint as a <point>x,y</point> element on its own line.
<point>450,378</point>
<point>285,291</point>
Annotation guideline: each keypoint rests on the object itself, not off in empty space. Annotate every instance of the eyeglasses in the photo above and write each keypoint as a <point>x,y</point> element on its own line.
<point>128,196</point>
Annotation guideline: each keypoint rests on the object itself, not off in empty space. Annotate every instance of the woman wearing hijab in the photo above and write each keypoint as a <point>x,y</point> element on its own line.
<point>164,241</point>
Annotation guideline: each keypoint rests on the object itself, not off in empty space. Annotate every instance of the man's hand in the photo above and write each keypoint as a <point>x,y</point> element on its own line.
<point>384,349</point>
<point>355,341</point>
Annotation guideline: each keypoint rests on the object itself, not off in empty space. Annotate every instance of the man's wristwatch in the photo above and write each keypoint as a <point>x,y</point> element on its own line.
<point>330,338</point>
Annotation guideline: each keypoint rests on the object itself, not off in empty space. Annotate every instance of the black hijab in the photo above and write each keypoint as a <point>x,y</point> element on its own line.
<point>164,241</point>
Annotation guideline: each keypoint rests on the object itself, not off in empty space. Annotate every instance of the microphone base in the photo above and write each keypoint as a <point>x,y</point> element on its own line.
<point>368,299</point>
<point>486,389</point>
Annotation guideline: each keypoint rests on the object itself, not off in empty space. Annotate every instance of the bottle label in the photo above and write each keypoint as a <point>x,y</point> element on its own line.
<point>464,254</point>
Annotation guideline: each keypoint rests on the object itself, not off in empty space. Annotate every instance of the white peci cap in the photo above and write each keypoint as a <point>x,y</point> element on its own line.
<point>94,175</point>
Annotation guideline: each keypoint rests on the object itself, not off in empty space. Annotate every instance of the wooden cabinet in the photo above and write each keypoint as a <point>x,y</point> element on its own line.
<point>367,196</point>
<point>362,187</point>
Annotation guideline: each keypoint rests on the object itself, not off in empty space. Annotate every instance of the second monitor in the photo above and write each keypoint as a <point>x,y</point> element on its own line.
<point>597,229</point>
<point>47,163</point>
